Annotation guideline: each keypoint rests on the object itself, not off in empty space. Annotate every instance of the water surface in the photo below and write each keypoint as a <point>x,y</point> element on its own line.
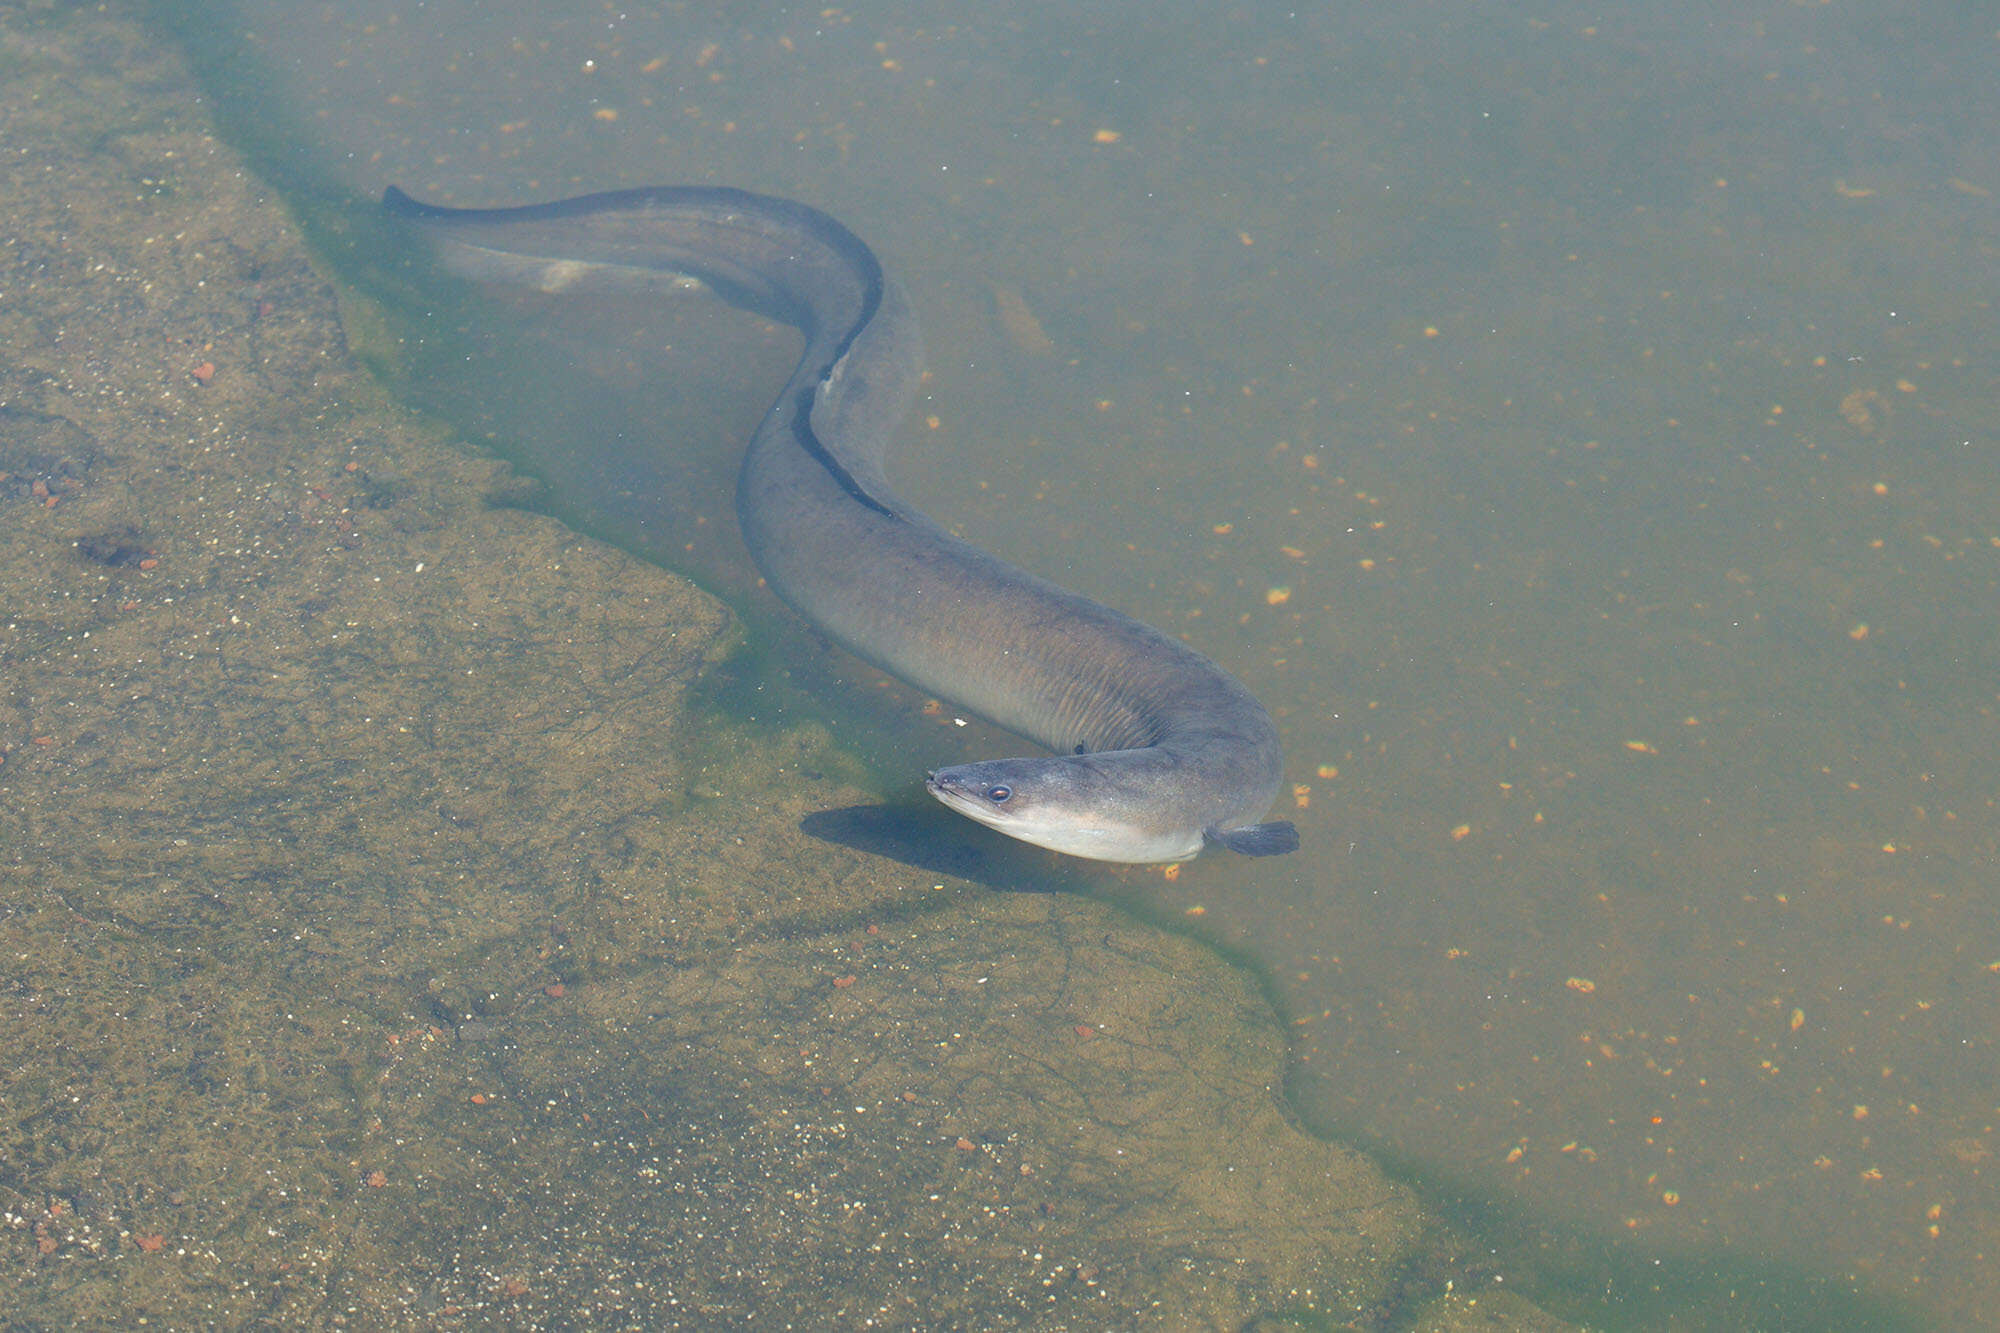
<point>1575,426</point>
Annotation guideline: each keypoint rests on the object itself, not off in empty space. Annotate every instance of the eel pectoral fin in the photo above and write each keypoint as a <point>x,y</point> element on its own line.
<point>1272,839</point>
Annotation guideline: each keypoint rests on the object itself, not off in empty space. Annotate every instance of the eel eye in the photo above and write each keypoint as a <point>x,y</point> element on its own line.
<point>999,795</point>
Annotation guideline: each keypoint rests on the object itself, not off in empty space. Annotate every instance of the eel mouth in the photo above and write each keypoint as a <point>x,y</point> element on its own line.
<point>957,795</point>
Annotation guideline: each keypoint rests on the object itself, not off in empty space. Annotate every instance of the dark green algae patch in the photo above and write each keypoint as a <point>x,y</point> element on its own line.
<point>390,942</point>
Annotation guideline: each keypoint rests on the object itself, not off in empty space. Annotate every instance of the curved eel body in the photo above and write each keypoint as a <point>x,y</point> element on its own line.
<point>1157,750</point>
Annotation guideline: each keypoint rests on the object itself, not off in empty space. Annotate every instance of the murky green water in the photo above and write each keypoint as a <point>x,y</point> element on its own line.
<point>1576,427</point>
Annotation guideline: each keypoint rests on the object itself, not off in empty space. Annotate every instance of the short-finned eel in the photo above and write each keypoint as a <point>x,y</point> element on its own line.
<point>1158,750</point>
